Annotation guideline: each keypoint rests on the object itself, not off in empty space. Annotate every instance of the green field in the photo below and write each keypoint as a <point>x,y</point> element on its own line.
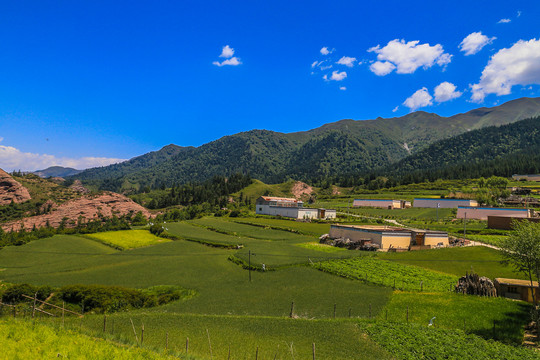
<point>473,314</point>
<point>245,315</point>
<point>370,269</point>
<point>127,239</point>
<point>25,340</point>
<point>457,261</point>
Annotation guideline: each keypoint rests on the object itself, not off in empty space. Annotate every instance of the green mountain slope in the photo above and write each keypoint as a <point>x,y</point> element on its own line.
<point>495,150</point>
<point>342,147</point>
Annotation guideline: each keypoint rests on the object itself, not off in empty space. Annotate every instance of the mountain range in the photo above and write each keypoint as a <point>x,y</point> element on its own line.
<point>342,147</point>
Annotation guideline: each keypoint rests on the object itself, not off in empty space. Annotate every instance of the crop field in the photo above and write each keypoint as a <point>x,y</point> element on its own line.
<point>457,261</point>
<point>219,282</point>
<point>473,314</point>
<point>281,250</point>
<point>273,338</point>
<point>24,340</point>
<point>414,341</point>
<point>488,239</point>
<point>307,228</point>
<point>127,239</point>
<point>376,271</point>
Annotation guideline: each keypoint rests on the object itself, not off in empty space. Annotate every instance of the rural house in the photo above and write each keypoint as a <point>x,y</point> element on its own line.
<point>517,289</point>
<point>290,207</point>
<point>381,203</point>
<point>532,177</point>
<point>443,203</point>
<point>387,237</point>
<point>482,213</point>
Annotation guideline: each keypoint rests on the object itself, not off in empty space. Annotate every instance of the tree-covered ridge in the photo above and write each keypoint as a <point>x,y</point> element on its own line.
<point>501,151</point>
<point>334,149</point>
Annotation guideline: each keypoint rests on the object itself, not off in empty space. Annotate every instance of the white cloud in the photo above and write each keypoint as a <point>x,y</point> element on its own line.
<point>347,61</point>
<point>234,61</point>
<point>325,51</point>
<point>14,159</point>
<point>517,65</point>
<point>518,13</point>
<point>395,109</point>
<point>408,56</point>
<point>474,42</point>
<point>325,77</point>
<point>338,76</point>
<point>315,64</point>
<point>504,21</point>
<point>382,68</point>
<point>446,91</point>
<point>227,52</point>
<point>343,88</point>
<point>325,67</point>
<point>419,99</point>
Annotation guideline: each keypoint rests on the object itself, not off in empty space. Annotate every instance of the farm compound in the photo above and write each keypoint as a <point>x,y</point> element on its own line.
<point>517,289</point>
<point>530,177</point>
<point>290,207</point>
<point>443,203</point>
<point>381,203</point>
<point>388,237</point>
<point>482,213</point>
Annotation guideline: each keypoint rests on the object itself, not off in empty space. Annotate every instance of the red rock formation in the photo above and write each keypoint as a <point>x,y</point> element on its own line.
<point>11,190</point>
<point>106,204</point>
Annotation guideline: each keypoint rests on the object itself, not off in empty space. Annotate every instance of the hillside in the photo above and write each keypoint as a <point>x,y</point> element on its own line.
<point>343,147</point>
<point>56,171</point>
<point>495,150</point>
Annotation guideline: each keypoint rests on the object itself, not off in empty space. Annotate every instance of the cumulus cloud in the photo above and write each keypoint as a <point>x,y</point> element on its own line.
<point>347,61</point>
<point>406,57</point>
<point>517,65</point>
<point>227,52</point>
<point>342,88</point>
<point>13,159</point>
<point>382,68</point>
<point>420,98</point>
<point>325,51</point>
<point>234,61</point>
<point>504,21</point>
<point>446,91</point>
<point>338,76</point>
<point>474,42</point>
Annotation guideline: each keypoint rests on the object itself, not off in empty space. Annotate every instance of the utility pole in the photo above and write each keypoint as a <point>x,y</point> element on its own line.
<point>465,225</point>
<point>438,205</point>
<point>249,267</point>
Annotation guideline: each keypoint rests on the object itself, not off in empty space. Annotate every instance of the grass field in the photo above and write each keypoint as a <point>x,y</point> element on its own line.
<point>376,271</point>
<point>127,239</point>
<point>473,314</point>
<point>457,261</point>
<point>279,338</point>
<point>21,339</point>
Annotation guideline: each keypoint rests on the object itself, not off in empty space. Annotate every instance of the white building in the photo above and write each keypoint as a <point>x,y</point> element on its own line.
<point>482,213</point>
<point>443,203</point>
<point>380,203</point>
<point>292,208</point>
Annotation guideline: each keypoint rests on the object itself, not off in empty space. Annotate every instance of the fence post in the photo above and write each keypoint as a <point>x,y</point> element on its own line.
<point>421,286</point>
<point>313,346</point>
<point>63,310</point>
<point>370,311</point>
<point>292,310</point>
<point>407,314</point>
<point>209,343</point>
<point>142,334</point>
<point>104,322</point>
<point>334,311</point>
<point>187,345</point>
<point>257,354</point>
<point>34,306</point>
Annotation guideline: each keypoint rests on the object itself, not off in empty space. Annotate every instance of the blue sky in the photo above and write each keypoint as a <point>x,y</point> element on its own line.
<point>89,83</point>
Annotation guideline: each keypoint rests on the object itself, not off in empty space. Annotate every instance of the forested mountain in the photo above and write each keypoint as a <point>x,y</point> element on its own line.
<point>343,147</point>
<point>56,171</point>
<point>495,150</point>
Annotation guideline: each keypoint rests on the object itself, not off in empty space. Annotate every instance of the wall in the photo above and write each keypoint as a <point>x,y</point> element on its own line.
<point>505,222</point>
<point>394,204</point>
<point>483,213</point>
<point>444,203</point>
<point>434,239</point>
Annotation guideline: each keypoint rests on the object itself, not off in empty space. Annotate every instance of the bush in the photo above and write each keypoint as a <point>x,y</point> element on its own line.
<point>14,293</point>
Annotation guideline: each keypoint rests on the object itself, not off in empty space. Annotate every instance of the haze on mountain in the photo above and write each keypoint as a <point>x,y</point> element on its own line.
<point>338,148</point>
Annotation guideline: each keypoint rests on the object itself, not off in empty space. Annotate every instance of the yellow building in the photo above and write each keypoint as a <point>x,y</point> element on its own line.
<point>517,289</point>
<point>387,237</point>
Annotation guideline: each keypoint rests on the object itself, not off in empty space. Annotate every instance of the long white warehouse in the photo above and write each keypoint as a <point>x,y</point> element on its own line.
<point>292,208</point>
<point>443,203</point>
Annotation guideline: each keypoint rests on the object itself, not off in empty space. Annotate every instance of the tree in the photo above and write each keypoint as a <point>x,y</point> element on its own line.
<point>522,250</point>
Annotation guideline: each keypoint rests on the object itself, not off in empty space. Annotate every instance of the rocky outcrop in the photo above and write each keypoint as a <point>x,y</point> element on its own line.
<point>300,189</point>
<point>89,207</point>
<point>11,190</point>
